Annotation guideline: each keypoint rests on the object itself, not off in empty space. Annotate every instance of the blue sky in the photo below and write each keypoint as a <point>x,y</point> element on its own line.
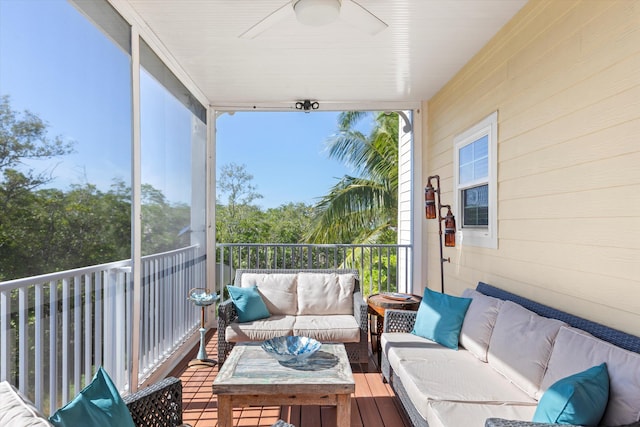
<point>284,151</point>
<point>79,90</point>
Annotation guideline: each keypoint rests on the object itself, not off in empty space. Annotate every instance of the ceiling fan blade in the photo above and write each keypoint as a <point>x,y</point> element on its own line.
<point>361,18</point>
<point>276,16</point>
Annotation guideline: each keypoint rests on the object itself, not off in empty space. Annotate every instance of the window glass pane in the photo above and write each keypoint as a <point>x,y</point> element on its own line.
<point>475,207</point>
<point>173,139</point>
<point>69,84</point>
<point>481,148</point>
<point>466,154</point>
<point>466,173</point>
<point>474,161</point>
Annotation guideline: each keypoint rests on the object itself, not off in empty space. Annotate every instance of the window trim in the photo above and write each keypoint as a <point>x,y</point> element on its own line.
<point>487,238</point>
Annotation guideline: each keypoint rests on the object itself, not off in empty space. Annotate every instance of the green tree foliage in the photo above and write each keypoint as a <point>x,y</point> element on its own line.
<point>240,221</point>
<point>363,208</point>
<point>43,230</point>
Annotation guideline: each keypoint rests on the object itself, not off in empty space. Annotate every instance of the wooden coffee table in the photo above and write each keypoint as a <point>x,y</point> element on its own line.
<point>251,377</point>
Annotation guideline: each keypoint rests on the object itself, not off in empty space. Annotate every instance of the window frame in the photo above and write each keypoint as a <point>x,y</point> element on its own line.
<point>473,236</point>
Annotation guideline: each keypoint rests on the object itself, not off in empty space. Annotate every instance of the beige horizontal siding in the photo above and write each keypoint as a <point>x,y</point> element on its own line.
<point>564,77</point>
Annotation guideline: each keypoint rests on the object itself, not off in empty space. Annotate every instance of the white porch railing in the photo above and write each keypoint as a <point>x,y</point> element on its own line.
<point>55,329</point>
<point>383,268</point>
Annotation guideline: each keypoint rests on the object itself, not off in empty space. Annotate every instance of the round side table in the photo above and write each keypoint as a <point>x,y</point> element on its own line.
<point>378,303</point>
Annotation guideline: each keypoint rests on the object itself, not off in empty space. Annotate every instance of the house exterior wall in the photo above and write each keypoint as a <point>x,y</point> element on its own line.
<point>564,77</point>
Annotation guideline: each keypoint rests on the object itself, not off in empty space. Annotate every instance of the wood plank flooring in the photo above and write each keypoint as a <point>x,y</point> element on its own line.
<point>373,403</point>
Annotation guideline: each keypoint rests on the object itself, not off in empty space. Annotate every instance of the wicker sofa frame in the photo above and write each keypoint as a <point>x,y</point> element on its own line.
<point>403,321</point>
<point>159,405</point>
<point>357,351</point>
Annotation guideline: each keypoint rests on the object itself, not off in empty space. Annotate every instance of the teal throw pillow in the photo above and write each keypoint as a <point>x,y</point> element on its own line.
<point>440,318</point>
<point>579,399</point>
<point>98,404</point>
<point>249,304</point>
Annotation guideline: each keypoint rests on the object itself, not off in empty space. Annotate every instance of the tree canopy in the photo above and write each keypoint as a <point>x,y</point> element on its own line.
<point>362,208</point>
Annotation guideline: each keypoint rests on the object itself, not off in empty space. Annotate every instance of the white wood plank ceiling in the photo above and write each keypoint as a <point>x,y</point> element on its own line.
<point>425,44</point>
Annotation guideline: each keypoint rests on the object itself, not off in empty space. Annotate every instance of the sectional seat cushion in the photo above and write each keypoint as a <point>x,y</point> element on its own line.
<point>278,291</point>
<point>462,378</point>
<point>17,410</point>
<point>479,322</point>
<point>325,293</point>
<point>430,372</point>
<point>575,351</point>
<point>260,330</point>
<point>448,414</point>
<point>521,345</point>
<point>337,328</point>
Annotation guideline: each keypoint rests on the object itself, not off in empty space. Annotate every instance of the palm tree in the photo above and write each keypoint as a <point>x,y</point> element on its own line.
<point>361,209</point>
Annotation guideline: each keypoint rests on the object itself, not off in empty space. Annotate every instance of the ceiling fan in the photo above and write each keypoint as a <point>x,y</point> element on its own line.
<point>320,12</point>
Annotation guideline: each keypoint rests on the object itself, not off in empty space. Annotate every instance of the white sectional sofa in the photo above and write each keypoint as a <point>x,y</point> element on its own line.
<point>326,305</point>
<point>508,356</point>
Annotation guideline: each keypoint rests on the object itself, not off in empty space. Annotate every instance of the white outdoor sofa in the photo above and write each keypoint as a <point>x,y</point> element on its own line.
<point>324,304</point>
<point>511,350</point>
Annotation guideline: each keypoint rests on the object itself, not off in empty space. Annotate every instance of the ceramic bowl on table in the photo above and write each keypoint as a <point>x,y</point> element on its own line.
<point>291,348</point>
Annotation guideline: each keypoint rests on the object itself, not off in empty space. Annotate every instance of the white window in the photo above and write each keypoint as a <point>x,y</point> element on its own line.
<point>476,184</point>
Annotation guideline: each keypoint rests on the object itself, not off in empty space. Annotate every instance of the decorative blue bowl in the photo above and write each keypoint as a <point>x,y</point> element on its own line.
<point>291,348</point>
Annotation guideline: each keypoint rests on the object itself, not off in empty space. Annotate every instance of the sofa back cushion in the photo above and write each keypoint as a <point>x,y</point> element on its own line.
<point>325,293</point>
<point>17,410</point>
<point>479,322</point>
<point>576,350</point>
<point>278,291</point>
<point>521,345</point>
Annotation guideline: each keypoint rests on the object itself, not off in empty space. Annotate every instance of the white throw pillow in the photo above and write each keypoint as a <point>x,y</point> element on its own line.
<point>575,350</point>
<point>325,293</point>
<point>278,291</point>
<point>521,345</point>
<point>479,322</point>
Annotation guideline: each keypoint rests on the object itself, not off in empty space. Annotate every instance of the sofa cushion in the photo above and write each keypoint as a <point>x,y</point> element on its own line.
<point>15,409</point>
<point>448,414</point>
<point>478,323</point>
<point>335,328</point>
<point>461,378</point>
<point>431,372</point>
<point>521,345</point>
<point>440,318</point>
<point>579,399</point>
<point>260,330</point>
<point>278,290</point>
<point>575,351</point>
<point>248,302</point>
<point>325,293</point>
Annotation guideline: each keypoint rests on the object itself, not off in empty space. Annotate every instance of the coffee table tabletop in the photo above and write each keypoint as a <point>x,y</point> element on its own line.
<point>250,376</point>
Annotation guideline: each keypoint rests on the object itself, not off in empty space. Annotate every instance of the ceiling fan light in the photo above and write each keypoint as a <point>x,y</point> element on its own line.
<point>316,12</point>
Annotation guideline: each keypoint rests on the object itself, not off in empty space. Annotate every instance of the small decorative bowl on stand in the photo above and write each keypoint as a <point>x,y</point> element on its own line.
<point>202,298</point>
<point>291,349</point>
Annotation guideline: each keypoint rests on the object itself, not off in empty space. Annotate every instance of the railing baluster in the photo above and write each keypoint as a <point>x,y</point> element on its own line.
<point>23,334</point>
<point>53,347</point>
<point>39,345</point>
<point>88,333</point>
<point>77,334</point>
<point>5,334</point>
<point>65,339</point>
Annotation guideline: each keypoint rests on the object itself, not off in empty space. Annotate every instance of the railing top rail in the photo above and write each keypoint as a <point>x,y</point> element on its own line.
<point>43,278</point>
<point>320,245</point>
<point>172,252</point>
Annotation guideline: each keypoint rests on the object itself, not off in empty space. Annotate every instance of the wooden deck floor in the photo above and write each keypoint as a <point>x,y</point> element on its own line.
<point>373,403</point>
